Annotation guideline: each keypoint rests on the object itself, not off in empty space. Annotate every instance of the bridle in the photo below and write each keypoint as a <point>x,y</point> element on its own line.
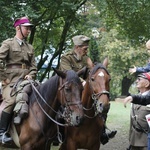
<point>95,97</point>
<point>67,113</point>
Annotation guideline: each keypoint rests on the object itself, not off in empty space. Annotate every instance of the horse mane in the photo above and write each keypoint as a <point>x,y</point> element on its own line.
<point>72,76</point>
<point>47,89</point>
<point>98,66</point>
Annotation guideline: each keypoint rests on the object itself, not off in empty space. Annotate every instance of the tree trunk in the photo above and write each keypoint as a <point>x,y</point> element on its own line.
<point>126,83</point>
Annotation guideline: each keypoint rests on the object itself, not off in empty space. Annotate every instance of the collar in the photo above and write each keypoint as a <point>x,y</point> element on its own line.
<point>21,42</point>
<point>146,92</point>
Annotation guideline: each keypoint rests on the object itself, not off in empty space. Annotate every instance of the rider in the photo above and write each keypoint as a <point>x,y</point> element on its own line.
<point>76,60</point>
<point>17,62</point>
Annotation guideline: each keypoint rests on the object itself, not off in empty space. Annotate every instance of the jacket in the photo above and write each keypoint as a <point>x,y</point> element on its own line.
<point>12,53</point>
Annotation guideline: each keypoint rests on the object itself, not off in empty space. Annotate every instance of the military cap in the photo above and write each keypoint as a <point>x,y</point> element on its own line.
<point>80,40</point>
<point>145,75</point>
<point>148,44</point>
<point>22,21</point>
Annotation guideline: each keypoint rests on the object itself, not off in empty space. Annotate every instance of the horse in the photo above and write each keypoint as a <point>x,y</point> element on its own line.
<point>96,101</point>
<point>64,90</point>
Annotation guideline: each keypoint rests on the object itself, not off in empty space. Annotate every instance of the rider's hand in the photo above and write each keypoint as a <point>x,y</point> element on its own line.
<point>83,83</point>
<point>28,77</point>
<point>132,70</point>
<point>5,82</point>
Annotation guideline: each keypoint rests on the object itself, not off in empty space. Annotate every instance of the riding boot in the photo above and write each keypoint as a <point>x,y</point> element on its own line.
<point>22,114</point>
<point>5,120</point>
<point>106,136</point>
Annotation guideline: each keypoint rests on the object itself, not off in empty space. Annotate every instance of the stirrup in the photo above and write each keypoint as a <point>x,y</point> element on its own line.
<point>5,138</point>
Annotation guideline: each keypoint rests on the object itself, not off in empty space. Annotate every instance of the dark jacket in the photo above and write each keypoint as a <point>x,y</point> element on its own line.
<point>141,99</point>
<point>143,69</point>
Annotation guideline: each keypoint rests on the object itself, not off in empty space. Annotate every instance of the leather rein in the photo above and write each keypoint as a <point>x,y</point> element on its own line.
<point>68,103</point>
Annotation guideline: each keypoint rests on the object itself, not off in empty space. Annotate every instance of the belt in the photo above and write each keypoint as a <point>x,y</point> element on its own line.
<point>16,66</point>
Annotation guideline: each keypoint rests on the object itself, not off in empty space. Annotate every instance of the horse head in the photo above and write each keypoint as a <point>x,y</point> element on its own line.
<point>98,81</point>
<point>69,95</point>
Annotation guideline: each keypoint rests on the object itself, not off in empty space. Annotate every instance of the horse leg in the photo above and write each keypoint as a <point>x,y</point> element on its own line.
<point>95,146</point>
<point>68,145</point>
<point>63,146</point>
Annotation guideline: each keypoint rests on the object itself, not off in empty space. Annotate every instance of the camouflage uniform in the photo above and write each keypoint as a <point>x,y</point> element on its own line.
<point>16,60</point>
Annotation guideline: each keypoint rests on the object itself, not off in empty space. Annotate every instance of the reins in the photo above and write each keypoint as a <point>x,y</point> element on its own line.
<point>37,92</point>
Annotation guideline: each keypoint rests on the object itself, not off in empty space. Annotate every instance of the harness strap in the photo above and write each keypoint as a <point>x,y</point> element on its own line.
<point>140,129</point>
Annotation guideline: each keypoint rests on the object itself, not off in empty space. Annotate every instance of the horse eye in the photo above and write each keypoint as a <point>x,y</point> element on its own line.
<point>67,88</point>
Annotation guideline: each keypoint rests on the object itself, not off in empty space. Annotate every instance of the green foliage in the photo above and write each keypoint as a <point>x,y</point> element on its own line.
<point>129,17</point>
<point>122,55</point>
<point>122,29</point>
<point>94,52</point>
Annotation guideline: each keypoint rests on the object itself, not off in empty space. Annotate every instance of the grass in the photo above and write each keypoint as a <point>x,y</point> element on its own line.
<point>118,118</point>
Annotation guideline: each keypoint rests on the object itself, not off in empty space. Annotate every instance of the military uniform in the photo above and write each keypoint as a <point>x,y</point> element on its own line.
<point>69,61</point>
<point>16,60</point>
<point>139,127</point>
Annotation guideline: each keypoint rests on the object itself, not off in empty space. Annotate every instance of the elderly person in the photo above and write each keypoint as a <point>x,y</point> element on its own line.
<point>139,127</point>
<point>75,60</point>
<point>16,61</point>
<point>144,68</point>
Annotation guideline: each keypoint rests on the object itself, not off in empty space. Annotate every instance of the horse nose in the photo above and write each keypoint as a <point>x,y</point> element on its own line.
<point>100,107</point>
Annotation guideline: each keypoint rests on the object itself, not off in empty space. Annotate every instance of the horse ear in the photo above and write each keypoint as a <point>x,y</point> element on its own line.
<point>105,62</point>
<point>59,73</point>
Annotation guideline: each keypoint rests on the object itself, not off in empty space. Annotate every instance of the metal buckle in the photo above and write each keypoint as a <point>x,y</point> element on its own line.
<point>24,66</point>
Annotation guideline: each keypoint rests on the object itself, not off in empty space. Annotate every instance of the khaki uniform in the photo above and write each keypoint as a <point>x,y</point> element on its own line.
<point>70,62</point>
<point>137,138</point>
<point>13,54</point>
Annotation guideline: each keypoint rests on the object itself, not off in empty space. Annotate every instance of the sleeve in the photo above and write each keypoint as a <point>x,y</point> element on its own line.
<point>143,69</point>
<point>141,99</point>
<point>4,49</point>
<point>33,68</point>
<point>65,63</point>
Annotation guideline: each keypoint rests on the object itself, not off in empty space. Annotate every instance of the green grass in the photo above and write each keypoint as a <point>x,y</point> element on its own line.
<point>118,113</point>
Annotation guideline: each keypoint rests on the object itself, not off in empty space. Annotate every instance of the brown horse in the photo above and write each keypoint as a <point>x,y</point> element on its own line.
<point>95,100</point>
<point>38,130</point>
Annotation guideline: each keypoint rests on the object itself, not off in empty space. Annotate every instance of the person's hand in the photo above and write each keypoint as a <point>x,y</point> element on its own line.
<point>5,82</point>
<point>83,83</point>
<point>28,77</point>
<point>132,70</point>
<point>126,100</point>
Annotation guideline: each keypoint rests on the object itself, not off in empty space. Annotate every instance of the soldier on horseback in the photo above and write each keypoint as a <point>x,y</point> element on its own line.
<point>17,64</point>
